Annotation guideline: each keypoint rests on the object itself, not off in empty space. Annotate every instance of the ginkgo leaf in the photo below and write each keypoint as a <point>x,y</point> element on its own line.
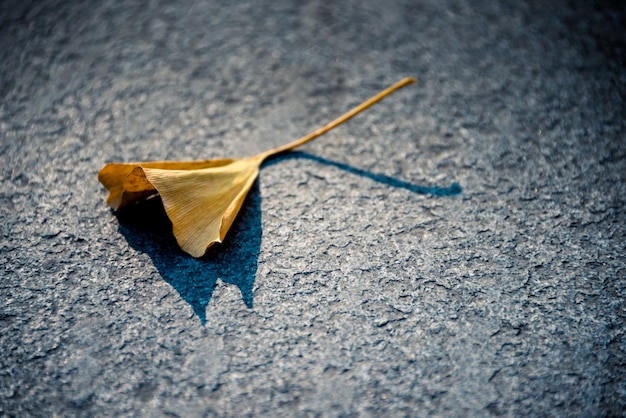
<point>203,198</point>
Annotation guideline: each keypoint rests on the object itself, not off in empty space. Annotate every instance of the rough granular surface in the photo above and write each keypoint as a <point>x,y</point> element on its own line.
<point>356,281</point>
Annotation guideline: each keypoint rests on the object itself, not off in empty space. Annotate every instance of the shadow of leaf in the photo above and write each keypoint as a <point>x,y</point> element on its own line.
<point>147,229</point>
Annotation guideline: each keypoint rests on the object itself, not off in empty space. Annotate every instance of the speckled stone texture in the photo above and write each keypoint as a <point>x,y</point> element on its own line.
<point>347,286</point>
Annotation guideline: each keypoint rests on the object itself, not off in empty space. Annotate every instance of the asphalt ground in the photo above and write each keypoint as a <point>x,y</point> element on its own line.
<point>355,282</point>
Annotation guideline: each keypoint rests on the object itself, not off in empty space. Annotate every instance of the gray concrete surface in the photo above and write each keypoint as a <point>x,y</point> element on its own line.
<point>343,290</point>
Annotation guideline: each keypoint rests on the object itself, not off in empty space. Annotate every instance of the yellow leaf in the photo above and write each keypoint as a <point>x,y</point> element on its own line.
<point>202,198</point>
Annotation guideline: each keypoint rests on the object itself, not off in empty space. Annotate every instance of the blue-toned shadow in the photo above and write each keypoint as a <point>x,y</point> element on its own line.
<point>147,229</point>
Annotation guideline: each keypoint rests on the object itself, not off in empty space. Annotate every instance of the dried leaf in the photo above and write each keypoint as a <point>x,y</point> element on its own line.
<point>202,198</point>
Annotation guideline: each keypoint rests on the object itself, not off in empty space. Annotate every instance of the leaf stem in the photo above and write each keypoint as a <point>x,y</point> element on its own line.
<point>341,119</point>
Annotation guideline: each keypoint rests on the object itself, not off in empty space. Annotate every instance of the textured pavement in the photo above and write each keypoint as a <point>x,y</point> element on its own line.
<point>349,286</point>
